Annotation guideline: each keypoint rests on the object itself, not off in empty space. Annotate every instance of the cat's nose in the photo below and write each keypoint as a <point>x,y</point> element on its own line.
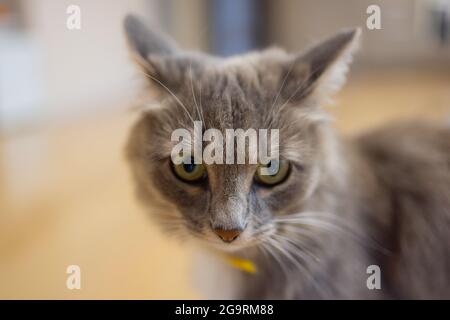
<point>227,235</point>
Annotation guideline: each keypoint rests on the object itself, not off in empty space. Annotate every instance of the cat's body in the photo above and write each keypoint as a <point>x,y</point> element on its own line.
<point>398,190</point>
<point>382,199</point>
<point>411,163</point>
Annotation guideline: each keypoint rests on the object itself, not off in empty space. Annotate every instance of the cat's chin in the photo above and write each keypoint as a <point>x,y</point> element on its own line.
<point>236,248</point>
<point>212,245</point>
<point>230,248</point>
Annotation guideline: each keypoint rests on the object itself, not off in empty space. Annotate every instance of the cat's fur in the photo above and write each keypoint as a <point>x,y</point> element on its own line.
<point>378,199</point>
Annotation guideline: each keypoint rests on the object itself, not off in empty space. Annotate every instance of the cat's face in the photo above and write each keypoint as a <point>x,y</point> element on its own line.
<point>231,206</point>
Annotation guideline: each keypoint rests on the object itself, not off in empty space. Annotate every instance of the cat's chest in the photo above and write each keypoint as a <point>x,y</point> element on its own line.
<point>214,278</point>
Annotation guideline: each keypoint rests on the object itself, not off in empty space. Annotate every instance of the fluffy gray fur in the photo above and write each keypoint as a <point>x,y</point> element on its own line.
<point>382,198</point>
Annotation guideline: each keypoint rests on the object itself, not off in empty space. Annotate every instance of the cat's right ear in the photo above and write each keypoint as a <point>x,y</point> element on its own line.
<point>320,71</point>
<point>152,51</point>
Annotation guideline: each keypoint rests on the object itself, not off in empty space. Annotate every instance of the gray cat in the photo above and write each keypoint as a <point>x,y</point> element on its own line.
<point>335,209</point>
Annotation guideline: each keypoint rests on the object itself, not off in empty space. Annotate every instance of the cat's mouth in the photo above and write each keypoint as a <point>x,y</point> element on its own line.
<point>215,241</point>
<point>230,240</point>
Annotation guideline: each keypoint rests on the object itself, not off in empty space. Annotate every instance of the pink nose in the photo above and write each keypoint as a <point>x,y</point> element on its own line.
<point>227,235</point>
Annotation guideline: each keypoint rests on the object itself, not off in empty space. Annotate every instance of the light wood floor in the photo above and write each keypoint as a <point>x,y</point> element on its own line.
<point>66,198</point>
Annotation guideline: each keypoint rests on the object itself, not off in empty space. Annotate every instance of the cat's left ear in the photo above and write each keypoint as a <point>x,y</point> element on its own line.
<point>154,52</point>
<point>321,70</point>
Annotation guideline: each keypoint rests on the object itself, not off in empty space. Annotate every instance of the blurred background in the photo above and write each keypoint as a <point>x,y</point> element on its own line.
<point>66,197</point>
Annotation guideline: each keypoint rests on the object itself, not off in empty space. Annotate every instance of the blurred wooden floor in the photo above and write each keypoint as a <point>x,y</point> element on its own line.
<point>66,198</point>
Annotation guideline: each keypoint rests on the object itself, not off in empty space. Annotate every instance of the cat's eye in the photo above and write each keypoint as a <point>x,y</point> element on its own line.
<point>189,172</point>
<point>267,175</point>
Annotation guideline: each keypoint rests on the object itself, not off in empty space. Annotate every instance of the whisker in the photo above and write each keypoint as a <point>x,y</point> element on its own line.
<point>282,84</point>
<point>171,93</point>
<point>201,105</point>
<point>332,223</point>
<point>298,246</point>
<point>298,263</point>
<point>193,94</point>
<point>285,272</point>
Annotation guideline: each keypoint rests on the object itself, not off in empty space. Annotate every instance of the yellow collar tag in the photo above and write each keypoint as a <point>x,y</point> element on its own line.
<point>241,264</point>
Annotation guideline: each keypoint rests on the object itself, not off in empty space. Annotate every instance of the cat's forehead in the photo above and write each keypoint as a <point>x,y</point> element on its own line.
<point>234,92</point>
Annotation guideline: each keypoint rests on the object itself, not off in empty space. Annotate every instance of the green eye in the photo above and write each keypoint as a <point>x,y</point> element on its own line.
<point>190,172</point>
<point>272,178</point>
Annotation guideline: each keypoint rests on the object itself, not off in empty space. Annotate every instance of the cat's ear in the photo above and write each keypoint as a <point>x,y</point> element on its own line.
<point>321,70</point>
<point>154,52</point>
<point>146,42</point>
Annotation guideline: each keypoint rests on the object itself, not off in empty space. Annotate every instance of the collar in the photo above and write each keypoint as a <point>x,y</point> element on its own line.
<point>240,263</point>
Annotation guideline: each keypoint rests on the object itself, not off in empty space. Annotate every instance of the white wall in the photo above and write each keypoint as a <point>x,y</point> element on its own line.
<point>405,37</point>
<point>88,70</point>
